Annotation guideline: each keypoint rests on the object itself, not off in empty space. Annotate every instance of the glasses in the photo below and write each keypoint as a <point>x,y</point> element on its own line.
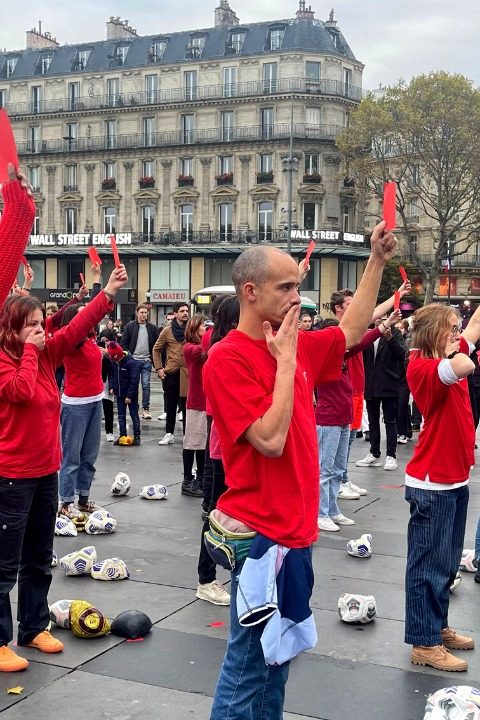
<point>456,330</point>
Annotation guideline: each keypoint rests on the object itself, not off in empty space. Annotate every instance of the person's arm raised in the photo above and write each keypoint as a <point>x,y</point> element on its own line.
<point>472,331</point>
<point>359,313</point>
<point>386,307</point>
<point>269,433</point>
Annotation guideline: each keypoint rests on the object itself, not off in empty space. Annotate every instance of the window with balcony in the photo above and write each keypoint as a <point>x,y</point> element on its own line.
<point>45,62</point>
<point>226,124</point>
<point>265,168</point>
<point>225,219</point>
<point>73,95</point>
<point>225,170</point>
<point>147,178</point>
<point>10,64</point>
<point>347,80</point>
<point>157,50</point>
<point>313,121</point>
<point>151,89</point>
<point>186,222</point>
<point>195,47</point>
<point>275,38</point>
<point>148,131</point>
<point>235,42</point>
<point>187,125</point>
<point>37,96</point>
<point>3,98</point>
<point>312,76</point>
<point>71,136</point>
<point>310,212</point>
<point>113,92</point>
<point>266,123</point>
<point>110,134</point>
<point>269,77</point>
<point>265,221</point>
<point>33,174</point>
<point>110,220</point>
<point>229,81</point>
<point>186,167</point>
<point>148,221</point>
<point>81,60</point>
<point>33,133</point>
<point>70,180</point>
<point>312,168</point>
<point>190,84</point>
<point>109,176</point>
<point>71,218</point>
<point>413,210</point>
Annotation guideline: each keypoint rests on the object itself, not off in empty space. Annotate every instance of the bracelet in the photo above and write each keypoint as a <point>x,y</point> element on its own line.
<point>384,328</point>
<point>452,355</point>
<point>26,289</point>
<point>109,295</point>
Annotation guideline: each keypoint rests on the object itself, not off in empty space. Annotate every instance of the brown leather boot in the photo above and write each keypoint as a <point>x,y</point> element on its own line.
<point>437,657</point>
<point>454,641</point>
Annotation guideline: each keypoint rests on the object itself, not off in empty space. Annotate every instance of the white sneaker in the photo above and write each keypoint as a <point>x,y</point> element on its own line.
<point>146,414</point>
<point>355,488</point>
<point>327,525</point>
<point>342,520</point>
<point>347,493</point>
<point>163,416</point>
<point>110,437</point>
<point>402,440</point>
<point>390,463</point>
<point>213,593</point>
<point>369,461</point>
<point>167,439</point>
<point>179,415</point>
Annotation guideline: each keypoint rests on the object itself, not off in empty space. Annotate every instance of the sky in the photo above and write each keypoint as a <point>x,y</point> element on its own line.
<point>393,40</point>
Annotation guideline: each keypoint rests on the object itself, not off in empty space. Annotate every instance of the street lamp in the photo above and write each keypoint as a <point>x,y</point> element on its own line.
<point>290,165</point>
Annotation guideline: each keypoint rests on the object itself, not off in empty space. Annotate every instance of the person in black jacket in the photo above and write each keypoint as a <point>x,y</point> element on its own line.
<point>138,338</point>
<point>123,378</point>
<point>384,368</point>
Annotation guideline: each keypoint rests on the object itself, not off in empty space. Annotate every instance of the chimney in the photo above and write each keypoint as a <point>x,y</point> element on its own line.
<point>36,40</point>
<point>304,13</point>
<point>225,16</point>
<point>118,29</point>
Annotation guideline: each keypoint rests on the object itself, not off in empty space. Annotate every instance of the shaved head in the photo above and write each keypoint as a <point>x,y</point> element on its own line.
<point>253,265</point>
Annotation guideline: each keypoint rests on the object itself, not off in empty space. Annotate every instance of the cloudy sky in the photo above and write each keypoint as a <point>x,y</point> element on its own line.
<point>393,39</point>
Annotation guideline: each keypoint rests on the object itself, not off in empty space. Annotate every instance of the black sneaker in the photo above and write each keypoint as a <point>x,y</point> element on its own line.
<point>366,436</point>
<point>136,440</point>
<point>476,563</point>
<point>192,489</point>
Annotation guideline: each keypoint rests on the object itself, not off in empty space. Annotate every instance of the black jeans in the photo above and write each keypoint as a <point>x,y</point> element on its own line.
<point>171,395</point>
<point>404,419</point>
<point>389,407</point>
<point>28,508</point>
<point>108,415</point>
<point>206,567</point>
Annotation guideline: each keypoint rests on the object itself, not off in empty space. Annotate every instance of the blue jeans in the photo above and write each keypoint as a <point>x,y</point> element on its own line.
<point>81,430</point>
<point>477,540</point>
<point>145,375</point>
<point>122,416</point>
<point>248,688</point>
<point>333,451</point>
<point>351,438</point>
<point>436,531</point>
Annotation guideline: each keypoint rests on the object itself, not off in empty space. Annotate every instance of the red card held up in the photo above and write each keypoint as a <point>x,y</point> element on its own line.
<point>390,205</point>
<point>396,302</point>
<point>116,256</point>
<point>310,249</point>
<point>82,279</point>
<point>94,256</point>
<point>403,274</point>
<point>8,148</point>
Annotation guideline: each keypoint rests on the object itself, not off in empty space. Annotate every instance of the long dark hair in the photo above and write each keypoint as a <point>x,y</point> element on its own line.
<point>70,312</point>
<point>227,318</point>
<point>13,318</point>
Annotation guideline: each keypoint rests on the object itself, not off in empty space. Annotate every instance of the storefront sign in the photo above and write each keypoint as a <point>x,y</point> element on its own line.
<point>62,295</point>
<point>169,296</point>
<point>326,235</point>
<point>82,239</point>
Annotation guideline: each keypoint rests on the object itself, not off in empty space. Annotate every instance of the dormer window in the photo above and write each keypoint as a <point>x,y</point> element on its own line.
<point>119,55</point>
<point>195,47</point>
<point>81,60</point>
<point>157,50</point>
<point>334,36</point>
<point>45,61</point>
<point>235,42</point>
<point>10,64</point>
<point>275,38</point>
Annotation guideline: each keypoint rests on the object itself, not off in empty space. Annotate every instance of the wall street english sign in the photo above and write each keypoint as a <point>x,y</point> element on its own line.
<point>79,239</point>
<point>326,235</point>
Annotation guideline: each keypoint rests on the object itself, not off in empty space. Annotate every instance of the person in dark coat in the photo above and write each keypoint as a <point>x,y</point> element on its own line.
<point>123,379</point>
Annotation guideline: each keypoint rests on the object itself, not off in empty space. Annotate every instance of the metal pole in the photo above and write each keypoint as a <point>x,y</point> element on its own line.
<point>290,182</point>
<point>448,268</point>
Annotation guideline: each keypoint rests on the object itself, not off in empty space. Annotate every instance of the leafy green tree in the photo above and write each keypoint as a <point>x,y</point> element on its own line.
<point>423,135</point>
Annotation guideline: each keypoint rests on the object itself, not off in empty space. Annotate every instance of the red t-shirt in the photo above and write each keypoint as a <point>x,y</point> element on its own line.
<point>334,401</point>
<point>277,497</point>
<point>447,415</point>
<point>194,360</point>
<point>83,370</point>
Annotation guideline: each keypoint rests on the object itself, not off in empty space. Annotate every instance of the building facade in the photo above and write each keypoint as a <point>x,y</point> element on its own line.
<point>184,145</point>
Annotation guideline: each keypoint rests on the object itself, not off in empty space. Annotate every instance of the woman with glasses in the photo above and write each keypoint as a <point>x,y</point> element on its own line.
<point>436,481</point>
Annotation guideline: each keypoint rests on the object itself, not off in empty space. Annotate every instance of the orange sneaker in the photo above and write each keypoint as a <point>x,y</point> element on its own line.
<point>46,643</point>
<point>10,661</point>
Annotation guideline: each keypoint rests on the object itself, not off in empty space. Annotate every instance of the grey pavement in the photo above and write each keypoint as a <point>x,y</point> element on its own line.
<point>355,671</point>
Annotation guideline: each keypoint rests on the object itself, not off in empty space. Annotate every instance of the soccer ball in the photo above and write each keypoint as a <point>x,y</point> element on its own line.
<point>110,569</point>
<point>121,484</point>
<point>361,547</point>
<point>100,522</point>
<point>79,561</point>
<point>86,621</point>
<point>357,608</point>
<point>60,613</point>
<point>64,526</point>
<point>154,492</point>
<point>468,562</point>
<point>131,624</point>
<point>460,702</point>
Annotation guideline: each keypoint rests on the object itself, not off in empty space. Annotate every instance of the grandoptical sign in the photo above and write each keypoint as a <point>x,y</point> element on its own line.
<point>82,239</point>
<point>326,235</point>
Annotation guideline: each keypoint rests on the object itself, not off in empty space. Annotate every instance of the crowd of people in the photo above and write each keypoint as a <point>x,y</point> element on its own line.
<point>270,403</point>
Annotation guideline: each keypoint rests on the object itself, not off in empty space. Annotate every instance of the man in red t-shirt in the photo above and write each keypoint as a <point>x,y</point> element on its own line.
<point>259,381</point>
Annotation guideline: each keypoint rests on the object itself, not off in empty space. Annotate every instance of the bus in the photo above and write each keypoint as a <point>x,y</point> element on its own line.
<point>202,300</point>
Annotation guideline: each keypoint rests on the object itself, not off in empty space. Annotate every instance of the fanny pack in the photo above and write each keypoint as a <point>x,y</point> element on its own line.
<point>226,548</point>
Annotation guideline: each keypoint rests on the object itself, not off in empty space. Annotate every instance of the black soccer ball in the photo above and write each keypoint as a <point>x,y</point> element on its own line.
<point>131,624</point>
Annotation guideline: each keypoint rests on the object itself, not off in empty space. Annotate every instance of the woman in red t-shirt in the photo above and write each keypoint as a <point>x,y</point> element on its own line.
<point>195,438</point>
<point>437,482</point>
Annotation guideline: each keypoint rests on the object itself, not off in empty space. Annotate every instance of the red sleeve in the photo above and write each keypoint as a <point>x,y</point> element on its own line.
<point>323,352</point>
<point>424,382</point>
<point>17,383</point>
<point>239,404</point>
<point>53,322</point>
<point>17,220</point>
<point>206,339</point>
<point>369,338</point>
<point>65,339</point>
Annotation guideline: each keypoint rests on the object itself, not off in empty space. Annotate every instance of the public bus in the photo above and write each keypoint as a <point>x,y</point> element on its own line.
<point>202,300</point>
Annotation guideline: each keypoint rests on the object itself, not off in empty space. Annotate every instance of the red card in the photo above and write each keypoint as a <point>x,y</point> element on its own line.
<point>390,205</point>
<point>403,274</point>
<point>8,148</point>
<point>396,302</point>
<point>216,623</point>
<point>94,256</point>
<point>116,256</point>
<point>310,249</point>
<point>82,279</point>
<point>24,261</point>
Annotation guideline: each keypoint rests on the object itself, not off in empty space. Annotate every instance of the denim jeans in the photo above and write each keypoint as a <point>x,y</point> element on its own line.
<point>333,451</point>
<point>435,541</point>
<point>28,508</point>
<point>145,375</point>
<point>248,688</point>
<point>81,430</point>
<point>351,438</point>
<point>122,416</point>
<point>477,540</point>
